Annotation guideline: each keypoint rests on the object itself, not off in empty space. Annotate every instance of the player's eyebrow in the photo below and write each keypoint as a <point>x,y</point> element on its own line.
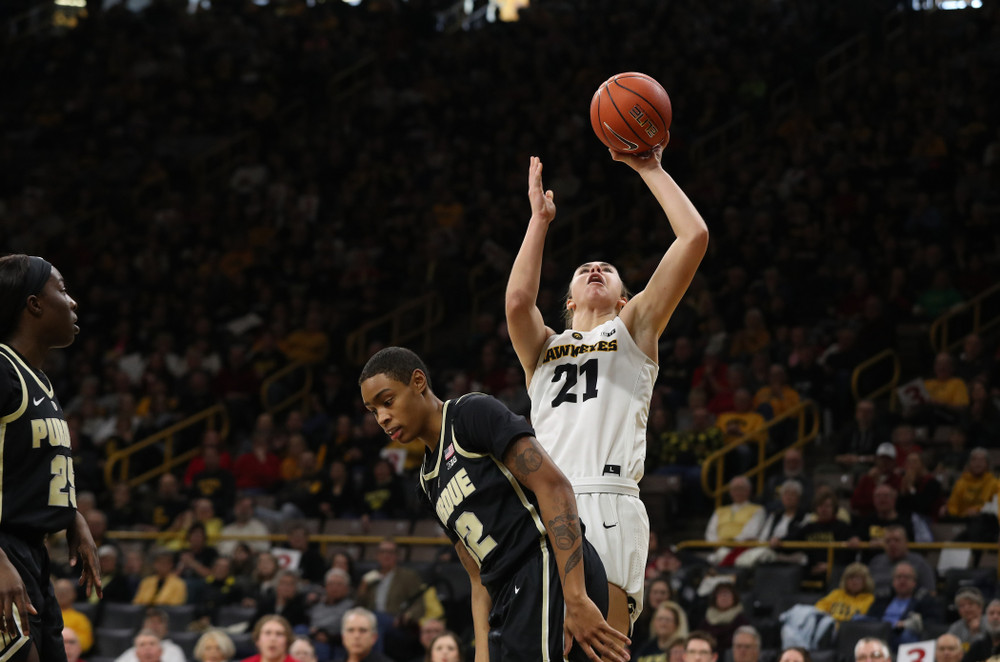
<point>375,397</point>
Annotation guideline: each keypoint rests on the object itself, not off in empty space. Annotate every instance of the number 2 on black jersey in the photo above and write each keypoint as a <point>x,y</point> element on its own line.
<point>569,371</point>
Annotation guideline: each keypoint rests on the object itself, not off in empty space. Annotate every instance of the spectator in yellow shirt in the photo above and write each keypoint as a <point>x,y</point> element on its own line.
<point>776,393</point>
<point>163,587</point>
<point>65,590</point>
<point>974,488</point>
<point>853,597</point>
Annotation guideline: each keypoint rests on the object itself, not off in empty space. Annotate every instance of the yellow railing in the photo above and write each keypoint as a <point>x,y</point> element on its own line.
<point>833,547</point>
<point>973,314</point>
<point>889,387</point>
<point>323,539</point>
<point>807,416</point>
<point>116,468</point>
<point>412,324</point>
<point>295,396</point>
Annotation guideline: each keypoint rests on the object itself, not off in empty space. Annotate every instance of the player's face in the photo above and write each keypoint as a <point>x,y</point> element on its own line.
<point>398,408</point>
<point>596,284</point>
<point>60,309</point>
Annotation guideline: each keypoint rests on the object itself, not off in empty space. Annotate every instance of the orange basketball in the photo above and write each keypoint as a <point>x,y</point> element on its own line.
<point>630,112</point>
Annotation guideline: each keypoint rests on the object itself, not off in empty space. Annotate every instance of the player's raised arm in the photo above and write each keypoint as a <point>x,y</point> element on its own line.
<point>533,468</point>
<point>524,321</point>
<point>481,604</point>
<point>647,314</point>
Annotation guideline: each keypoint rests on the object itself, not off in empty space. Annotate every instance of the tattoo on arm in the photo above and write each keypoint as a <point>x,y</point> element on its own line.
<point>527,461</point>
<point>565,529</point>
<point>574,559</point>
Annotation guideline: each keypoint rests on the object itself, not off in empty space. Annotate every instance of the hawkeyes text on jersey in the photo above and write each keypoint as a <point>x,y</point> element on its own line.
<point>476,498</point>
<point>37,485</point>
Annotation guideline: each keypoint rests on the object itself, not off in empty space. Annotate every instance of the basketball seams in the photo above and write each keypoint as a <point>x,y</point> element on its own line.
<point>624,118</point>
<point>652,106</point>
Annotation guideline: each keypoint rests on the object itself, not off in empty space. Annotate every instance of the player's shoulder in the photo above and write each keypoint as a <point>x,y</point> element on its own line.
<point>471,402</point>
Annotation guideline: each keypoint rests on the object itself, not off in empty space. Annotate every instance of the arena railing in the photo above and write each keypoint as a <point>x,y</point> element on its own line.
<point>117,466</point>
<point>832,548</point>
<point>806,416</point>
<point>281,384</point>
<point>888,387</point>
<point>979,315</point>
<point>412,323</point>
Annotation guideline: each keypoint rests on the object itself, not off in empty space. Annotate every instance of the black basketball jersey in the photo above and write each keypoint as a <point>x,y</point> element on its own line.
<point>474,495</point>
<point>37,486</point>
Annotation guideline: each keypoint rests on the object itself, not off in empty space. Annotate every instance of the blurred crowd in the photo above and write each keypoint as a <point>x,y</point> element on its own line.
<point>231,190</point>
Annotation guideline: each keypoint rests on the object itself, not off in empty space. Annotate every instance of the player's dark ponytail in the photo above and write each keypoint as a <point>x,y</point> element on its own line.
<point>13,274</point>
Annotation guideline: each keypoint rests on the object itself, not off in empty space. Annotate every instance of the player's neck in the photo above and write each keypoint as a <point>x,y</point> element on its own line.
<point>32,352</point>
<point>431,434</point>
<point>587,320</point>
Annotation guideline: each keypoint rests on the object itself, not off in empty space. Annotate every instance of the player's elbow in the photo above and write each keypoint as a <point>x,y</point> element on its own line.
<point>697,240</point>
<point>518,302</point>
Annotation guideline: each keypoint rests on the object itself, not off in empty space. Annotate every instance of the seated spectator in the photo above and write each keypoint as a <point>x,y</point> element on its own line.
<point>302,650</point>
<point>969,604</point>
<point>209,439</point>
<point>897,550</point>
<point>382,493</point>
<point>243,524</point>
<point>312,566</point>
<point>825,526</point>
<point>325,615</point>
<point>392,589</point>
<point>359,632</point>
<point>974,488</point>
<point>779,524</point>
<point>264,578</point>
<point>167,503</point>
<point>221,587</point>
<point>908,609</point>
<point>163,587</point>
<point>948,393</point>
<point>297,497</point>
<point>214,481</point>
<point>776,397</point>
<point>948,648</point>
<point>982,420</point>
<point>195,562</point>
<point>668,625</point>
<point>681,452</point>
<point>446,647</point>
<point>741,423</point>
<point>65,592</point>
<point>214,646</point>
<point>286,600</point>
<point>856,443</point>
<point>792,468</point>
<point>884,471</point>
<point>724,615</point>
<point>740,520</point>
<point>746,644</point>
<point>853,597</point>
<point>155,624</point>
<point>71,643</point>
<point>988,645</point>
<point>148,647</point>
<point>904,438</point>
<point>751,338</point>
<point>920,493</point>
<point>201,513</point>
<point>871,528</point>
<point>117,587</point>
<point>658,591</point>
<point>339,495</point>
<point>258,470</point>
<point>430,630</point>
<point>272,635</point>
<point>122,511</point>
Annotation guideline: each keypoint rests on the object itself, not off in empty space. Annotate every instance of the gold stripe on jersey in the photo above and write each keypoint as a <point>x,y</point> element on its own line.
<point>519,491</point>
<point>16,414</point>
<point>3,434</point>
<point>545,600</point>
<point>11,643</point>
<point>13,356</point>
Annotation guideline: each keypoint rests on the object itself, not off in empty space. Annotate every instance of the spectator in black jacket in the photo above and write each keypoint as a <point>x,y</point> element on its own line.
<point>907,609</point>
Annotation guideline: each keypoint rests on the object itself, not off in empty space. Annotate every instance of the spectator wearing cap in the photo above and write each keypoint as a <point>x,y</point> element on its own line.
<point>885,471</point>
<point>969,603</point>
<point>897,550</point>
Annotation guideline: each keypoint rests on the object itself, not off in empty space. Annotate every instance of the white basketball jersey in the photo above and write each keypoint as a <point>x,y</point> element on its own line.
<point>590,396</point>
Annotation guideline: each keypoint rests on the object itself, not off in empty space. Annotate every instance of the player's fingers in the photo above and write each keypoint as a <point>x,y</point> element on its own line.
<point>567,642</point>
<point>24,607</point>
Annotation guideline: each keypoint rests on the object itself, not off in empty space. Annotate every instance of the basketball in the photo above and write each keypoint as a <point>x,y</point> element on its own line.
<point>631,113</point>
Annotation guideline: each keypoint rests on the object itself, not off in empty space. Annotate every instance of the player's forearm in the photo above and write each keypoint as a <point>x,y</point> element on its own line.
<point>684,218</point>
<point>562,524</point>
<point>526,272</point>
<point>481,605</point>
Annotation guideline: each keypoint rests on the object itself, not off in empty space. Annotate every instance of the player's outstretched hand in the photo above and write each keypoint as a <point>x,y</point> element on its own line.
<point>639,162</point>
<point>542,202</point>
<point>83,550</point>
<point>13,594</point>
<point>598,640</point>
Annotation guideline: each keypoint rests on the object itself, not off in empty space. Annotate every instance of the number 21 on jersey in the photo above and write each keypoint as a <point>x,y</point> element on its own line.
<point>62,487</point>
<point>571,373</point>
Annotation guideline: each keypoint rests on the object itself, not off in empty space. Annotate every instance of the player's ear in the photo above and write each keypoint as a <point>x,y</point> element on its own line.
<point>33,305</point>
<point>570,304</point>
<point>418,381</point>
